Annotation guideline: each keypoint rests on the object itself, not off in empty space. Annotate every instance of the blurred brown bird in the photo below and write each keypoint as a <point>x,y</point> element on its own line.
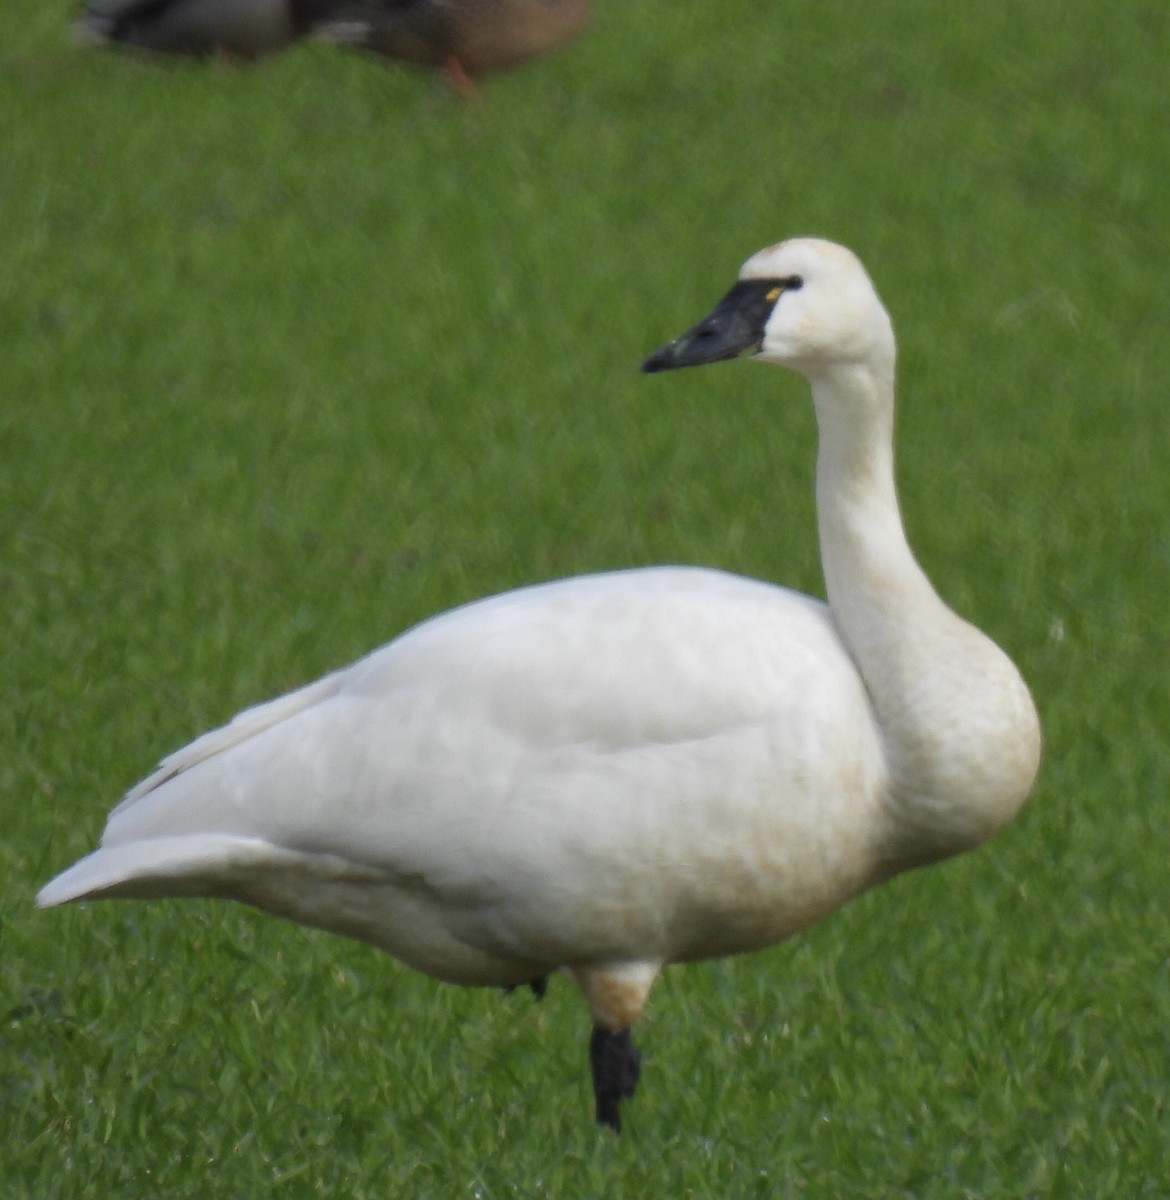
<point>465,37</point>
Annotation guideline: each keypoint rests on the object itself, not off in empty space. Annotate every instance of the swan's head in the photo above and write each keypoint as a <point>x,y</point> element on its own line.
<point>805,303</point>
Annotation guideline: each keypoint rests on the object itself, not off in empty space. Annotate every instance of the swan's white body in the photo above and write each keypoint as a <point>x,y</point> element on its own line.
<point>528,782</point>
<point>613,772</point>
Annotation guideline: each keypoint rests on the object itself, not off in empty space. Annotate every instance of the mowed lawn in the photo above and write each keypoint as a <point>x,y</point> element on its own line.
<point>293,356</point>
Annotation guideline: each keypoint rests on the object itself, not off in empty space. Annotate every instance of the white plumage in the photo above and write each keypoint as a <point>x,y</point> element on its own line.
<point>613,772</point>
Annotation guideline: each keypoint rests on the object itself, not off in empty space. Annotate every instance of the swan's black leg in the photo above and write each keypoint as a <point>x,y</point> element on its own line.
<point>616,1066</point>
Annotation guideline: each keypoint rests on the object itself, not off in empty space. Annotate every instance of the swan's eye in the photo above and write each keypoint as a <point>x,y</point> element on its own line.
<point>792,284</point>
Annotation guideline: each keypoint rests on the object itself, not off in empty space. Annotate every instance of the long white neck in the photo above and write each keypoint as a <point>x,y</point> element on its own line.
<point>960,729</point>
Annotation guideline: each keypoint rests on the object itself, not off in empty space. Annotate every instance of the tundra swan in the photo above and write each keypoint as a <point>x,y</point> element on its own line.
<point>609,773</point>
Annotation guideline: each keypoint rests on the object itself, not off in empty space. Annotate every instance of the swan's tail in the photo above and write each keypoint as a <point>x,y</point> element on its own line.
<point>196,865</point>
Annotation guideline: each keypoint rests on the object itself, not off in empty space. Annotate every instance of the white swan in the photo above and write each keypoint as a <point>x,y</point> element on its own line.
<point>614,772</point>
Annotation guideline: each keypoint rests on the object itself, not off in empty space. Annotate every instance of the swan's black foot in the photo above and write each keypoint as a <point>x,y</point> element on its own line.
<point>538,986</point>
<point>616,1066</point>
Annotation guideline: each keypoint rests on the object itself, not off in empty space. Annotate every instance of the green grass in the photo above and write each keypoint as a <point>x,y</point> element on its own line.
<point>294,356</point>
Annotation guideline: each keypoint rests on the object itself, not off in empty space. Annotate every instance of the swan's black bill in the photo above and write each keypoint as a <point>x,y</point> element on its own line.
<point>734,327</point>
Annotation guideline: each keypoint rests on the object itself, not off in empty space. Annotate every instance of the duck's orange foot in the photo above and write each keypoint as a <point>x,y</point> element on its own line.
<point>462,82</point>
